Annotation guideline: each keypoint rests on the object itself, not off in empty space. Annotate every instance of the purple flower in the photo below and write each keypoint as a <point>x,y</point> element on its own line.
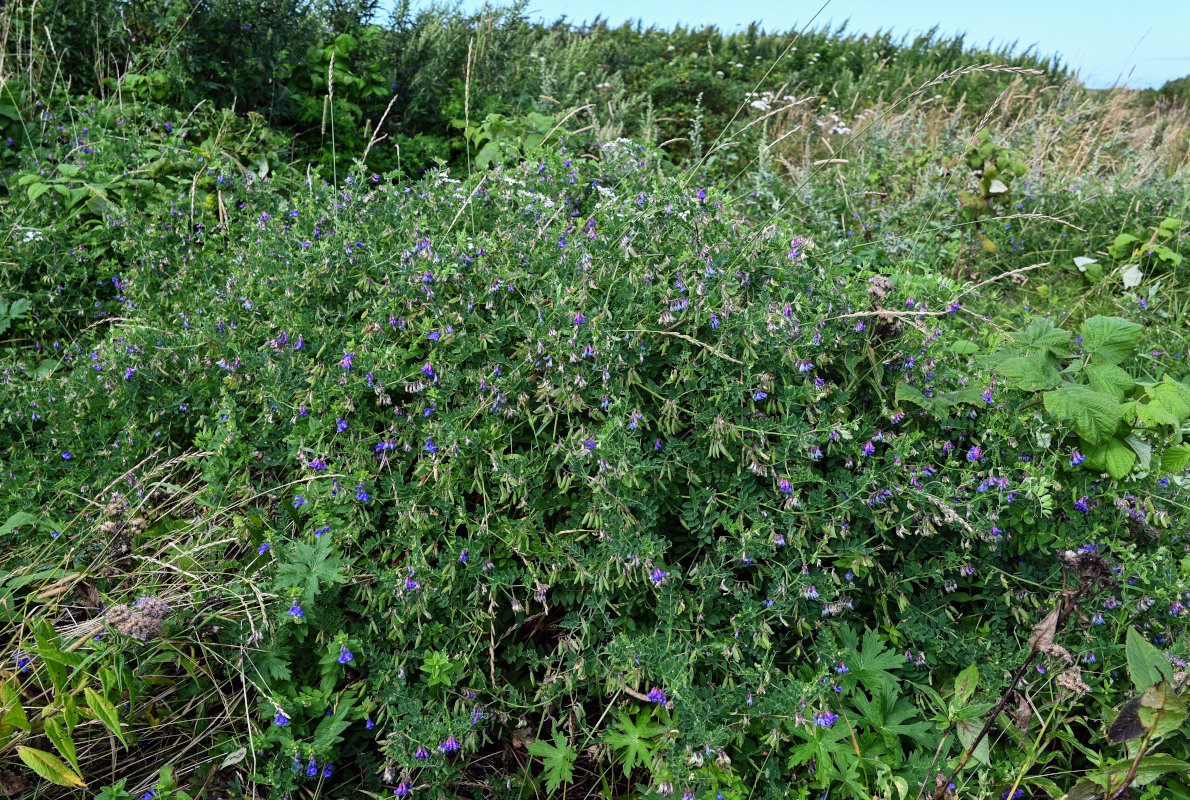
<point>280,719</point>
<point>347,360</point>
<point>825,719</point>
<point>296,611</point>
<point>580,318</point>
<point>657,696</point>
<point>657,445</point>
<point>1081,505</point>
<point>317,464</point>
<point>811,593</point>
<point>842,669</point>
<point>264,548</point>
<point>421,754</point>
<point>368,723</point>
<point>433,336</point>
<point>868,448</point>
<point>345,655</point>
<point>326,771</point>
<point>450,745</point>
<point>360,494</point>
<point>341,425</point>
<point>463,557</point>
<point>67,455</point>
<point>402,789</point>
<point>299,343</point>
<point>312,768</point>
<point>428,370</point>
<point>714,321</point>
<point>430,446</point>
<point>589,443</point>
<point>784,487</point>
<point>1077,458</point>
<point>299,501</point>
<point>975,453</point>
<point>759,395</point>
<point>986,394</point>
<point>657,576</point>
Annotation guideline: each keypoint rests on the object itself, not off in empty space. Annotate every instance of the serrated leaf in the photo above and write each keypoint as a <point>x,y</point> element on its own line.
<point>1111,339</point>
<point>1042,335</point>
<point>558,760</point>
<point>1174,459</point>
<point>1147,770</point>
<point>105,712</point>
<point>632,740</point>
<point>62,740</point>
<point>1033,372</point>
<point>50,767</point>
<point>1118,458</point>
<point>1109,379</point>
<point>1094,414</point>
<point>13,711</point>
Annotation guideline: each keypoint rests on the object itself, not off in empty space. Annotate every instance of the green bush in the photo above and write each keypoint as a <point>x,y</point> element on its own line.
<point>571,462</point>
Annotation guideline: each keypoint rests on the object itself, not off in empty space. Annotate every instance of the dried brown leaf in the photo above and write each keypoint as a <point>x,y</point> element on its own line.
<point>1044,632</point>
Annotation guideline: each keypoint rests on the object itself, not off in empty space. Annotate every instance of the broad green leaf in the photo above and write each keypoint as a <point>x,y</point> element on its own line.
<point>1094,414</point>
<point>1174,396</point>
<point>967,730</point>
<point>36,190</point>
<point>1109,379</point>
<point>1033,372</point>
<point>964,685</point>
<point>911,394</point>
<point>1042,335</point>
<point>50,767</point>
<point>1118,458</point>
<point>558,760</point>
<point>16,520</point>
<point>1146,664</point>
<point>1111,339</point>
<point>105,712</point>
<point>1174,459</point>
<point>1161,710</point>
<point>56,731</point>
<point>963,347</point>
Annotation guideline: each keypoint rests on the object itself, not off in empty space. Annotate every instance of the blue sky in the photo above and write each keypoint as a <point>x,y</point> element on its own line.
<point>1136,43</point>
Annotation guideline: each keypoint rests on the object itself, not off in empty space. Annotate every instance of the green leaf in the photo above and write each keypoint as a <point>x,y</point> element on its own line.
<point>558,760</point>
<point>964,685</point>
<point>105,712</point>
<point>1146,664</point>
<point>1033,372</point>
<point>62,740</point>
<point>1111,339</point>
<point>327,734</point>
<point>911,394</point>
<point>1148,770</point>
<point>967,730</point>
<point>12,711</point>
<point>1118,458</point>
<point>632,740</point>
<point>312,566</point>
<point>1175,459</point>
<point>963,347</point>
<point>1161,710</point>
<point>870,665</point>
<point>50,767</point>
<point>1109,379</point>
<point>35,191</point>
<point>1174,396</point>
<point>1094,414</point>
<point>1042,335</point>
<point>16,520</point>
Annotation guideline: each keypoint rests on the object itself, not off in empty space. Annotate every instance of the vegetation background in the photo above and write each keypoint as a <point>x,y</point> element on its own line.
<point>453,405</point>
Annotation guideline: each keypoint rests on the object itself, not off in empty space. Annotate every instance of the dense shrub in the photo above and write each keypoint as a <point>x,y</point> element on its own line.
<point>569,475</point>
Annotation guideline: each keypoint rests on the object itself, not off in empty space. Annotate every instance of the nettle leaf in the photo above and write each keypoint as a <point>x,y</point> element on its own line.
<point>1042,335</point>
<point>558,759</point>
<point>1033,372</point>
<point>632,740</point>
<point>1109,379</point>
<point>1175,459</point>
<point>1095,415</point>
<point>1111,339</point>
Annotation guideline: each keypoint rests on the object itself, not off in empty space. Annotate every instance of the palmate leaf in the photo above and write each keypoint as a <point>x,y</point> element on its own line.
<point>870,664</point>
<point>312,565</point>
<point>631,740</point>
<point>886,714</point>
<point>558,761</point>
